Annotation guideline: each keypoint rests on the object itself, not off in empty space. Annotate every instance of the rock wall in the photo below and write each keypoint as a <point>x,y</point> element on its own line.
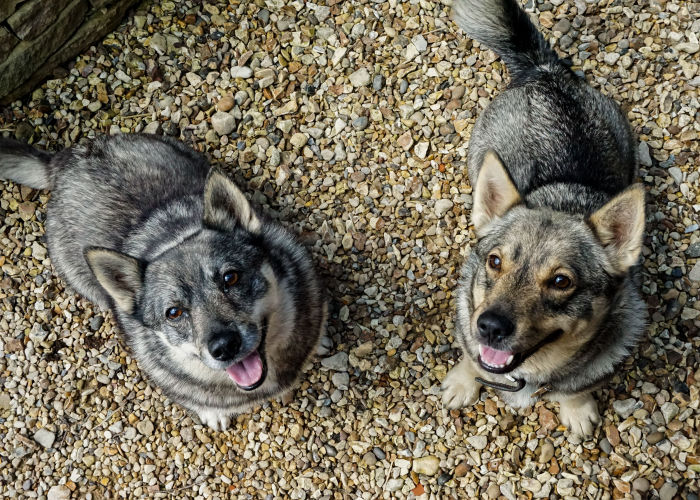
<point>38,35</point>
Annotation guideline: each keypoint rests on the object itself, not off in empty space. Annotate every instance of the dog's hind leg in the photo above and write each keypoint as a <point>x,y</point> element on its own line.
<point>460,388</point>
<point>579,412</point>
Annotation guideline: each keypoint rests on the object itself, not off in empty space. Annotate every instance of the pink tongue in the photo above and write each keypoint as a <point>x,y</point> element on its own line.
<point>247,372</point>
<point>493,356</point>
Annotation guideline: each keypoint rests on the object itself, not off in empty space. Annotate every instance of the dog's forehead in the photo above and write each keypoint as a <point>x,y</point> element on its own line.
<point>206,254</point>
<point>541,237</point>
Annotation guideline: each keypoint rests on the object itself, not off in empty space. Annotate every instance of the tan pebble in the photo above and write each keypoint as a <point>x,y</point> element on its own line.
<point>225,104</point>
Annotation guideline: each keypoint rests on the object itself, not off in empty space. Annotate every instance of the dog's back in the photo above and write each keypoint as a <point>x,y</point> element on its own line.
<point>549,126</point>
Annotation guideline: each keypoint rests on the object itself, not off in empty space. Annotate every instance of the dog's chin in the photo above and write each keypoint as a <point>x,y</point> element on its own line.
<point>250,372</point>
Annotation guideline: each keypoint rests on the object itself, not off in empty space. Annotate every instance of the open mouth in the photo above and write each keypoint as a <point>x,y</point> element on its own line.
<point>250,372</point>
<point>495,361</point>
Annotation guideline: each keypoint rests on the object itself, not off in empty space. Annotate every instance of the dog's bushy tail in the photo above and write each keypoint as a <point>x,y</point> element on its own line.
<point>504,27</point>
<point>24,164</point>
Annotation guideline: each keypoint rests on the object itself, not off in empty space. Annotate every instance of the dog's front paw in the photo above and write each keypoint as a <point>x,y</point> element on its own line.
<point>459,389</point>
<point>580,414</point>
<point>214,419</point>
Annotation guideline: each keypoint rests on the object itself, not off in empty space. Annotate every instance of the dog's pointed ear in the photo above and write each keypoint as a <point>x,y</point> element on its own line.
<point>494,193</point>
<point>225,206</point>
<point>619,225</point>
<point>121,276</point>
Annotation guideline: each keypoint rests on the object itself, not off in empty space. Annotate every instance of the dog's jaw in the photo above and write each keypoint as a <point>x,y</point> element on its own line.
<point>251,372</point>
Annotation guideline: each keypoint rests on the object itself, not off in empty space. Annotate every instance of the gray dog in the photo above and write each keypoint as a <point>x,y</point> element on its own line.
<point>548,304</point>
<point>220,306</point>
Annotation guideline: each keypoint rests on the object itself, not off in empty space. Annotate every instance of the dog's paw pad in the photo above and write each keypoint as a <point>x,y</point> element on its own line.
<point>459,392</point>
<point>215,420</point>
<point>581,419</point>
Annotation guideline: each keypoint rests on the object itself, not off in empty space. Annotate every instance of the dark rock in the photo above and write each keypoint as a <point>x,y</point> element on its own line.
<point>96,323</point>
<point>444,478</point>
<point>28,56</point>
<point>35,16</point>
<point>7,7</point>
<point>7,42</point>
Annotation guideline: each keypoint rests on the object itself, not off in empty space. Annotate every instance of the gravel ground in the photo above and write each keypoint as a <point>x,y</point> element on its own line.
<point>350,121</point>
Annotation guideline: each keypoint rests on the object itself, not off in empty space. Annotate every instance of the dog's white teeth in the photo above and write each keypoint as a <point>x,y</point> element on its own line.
<point>510,359</point>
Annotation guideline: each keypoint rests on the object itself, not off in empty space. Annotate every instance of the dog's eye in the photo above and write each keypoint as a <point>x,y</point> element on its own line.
<point>561,282</point>
<point>230,279</point>
<point>174,313</point>
<point>494,262</point>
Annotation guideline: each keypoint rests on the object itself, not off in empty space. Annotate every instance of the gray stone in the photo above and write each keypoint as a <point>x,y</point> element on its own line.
<point>369,459</point>
<point>611,58</point>
<point>44,437</point>
<point>152,128</point>
<point>668,491</point>
<point>421,149</point>
<point>670,411</point>
<point>337,362</point>
<point>378,82</point>
<point>360,78</point>
<point>223,123</point>
<point>159,43</point>
<point>693,250</point>
<point>96,323</point>
<point>563,26</point>
<point>677,175</point>
<point>442,206</point>
<point>478,442</point>
<point>59,492</point>
<point>394,484</point>
<point>641,484</point>
<point>360,123</point>
<point>419,43</point>
<point>624,408</point>
<point>341,380</point>
<point>694,274</point>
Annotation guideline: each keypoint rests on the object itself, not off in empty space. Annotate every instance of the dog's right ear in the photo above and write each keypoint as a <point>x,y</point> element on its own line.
<point>225,206</point>
<point>494,193</point>
<point>121,276</point>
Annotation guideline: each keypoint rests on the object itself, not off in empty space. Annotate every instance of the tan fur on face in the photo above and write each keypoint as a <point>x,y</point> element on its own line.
<point>521,300</point>
<point>577,332</point>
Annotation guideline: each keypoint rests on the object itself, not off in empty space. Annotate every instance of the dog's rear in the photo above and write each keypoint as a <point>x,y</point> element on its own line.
<point>24,164</point>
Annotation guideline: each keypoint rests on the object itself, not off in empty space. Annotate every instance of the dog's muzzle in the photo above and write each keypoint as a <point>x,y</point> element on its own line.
<point>251,371</point>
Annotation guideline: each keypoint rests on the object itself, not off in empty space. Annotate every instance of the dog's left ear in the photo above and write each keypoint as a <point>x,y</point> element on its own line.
<point>619,225</point>
<point>225,206</point>
<point>120,275</point>
<point>494,193</point>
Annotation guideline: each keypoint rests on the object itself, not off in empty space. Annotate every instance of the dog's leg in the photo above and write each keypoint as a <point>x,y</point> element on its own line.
<point>214,419</point>
<point>460,389</point>
<point>579,412</point>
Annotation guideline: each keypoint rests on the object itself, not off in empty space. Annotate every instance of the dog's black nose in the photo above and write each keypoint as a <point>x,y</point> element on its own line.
<point>493,327</point>
<point>224,346</point>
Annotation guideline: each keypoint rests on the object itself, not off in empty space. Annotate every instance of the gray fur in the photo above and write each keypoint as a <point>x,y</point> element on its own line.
<point>24,164</point>
<point>159,229</point>
<point>568,150</point>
